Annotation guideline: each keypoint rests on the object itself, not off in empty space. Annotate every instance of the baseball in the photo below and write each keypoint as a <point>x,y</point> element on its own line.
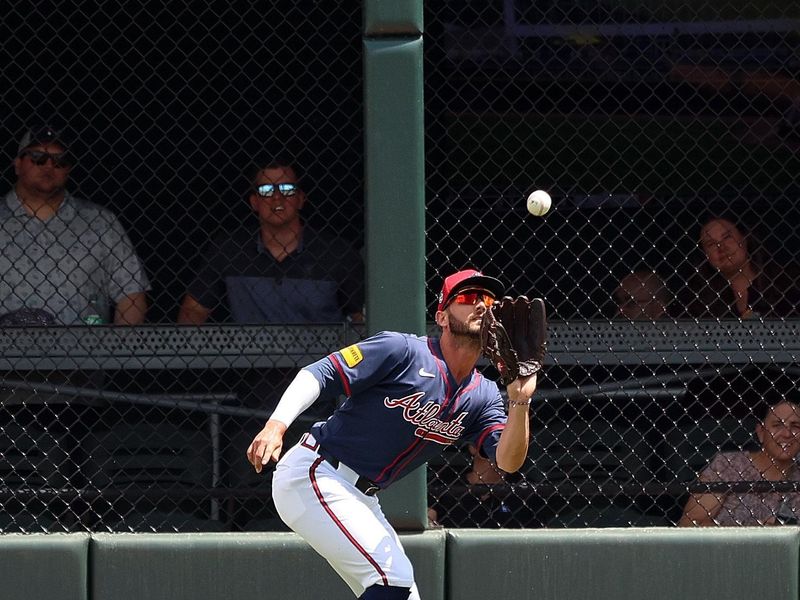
<point>539,203</point>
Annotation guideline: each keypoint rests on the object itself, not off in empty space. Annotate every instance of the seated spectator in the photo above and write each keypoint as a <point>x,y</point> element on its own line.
<point>737,280</point>
<point>779,436</point>
<point>282,273</point>
<point>64,260</point>
<point>642,296</point>
<point>476,507</point>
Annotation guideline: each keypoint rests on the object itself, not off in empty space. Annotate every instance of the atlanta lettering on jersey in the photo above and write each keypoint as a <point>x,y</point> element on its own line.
<point>430,427</point>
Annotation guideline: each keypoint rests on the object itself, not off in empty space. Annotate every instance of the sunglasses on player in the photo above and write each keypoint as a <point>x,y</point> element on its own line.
<point>267,190</point>
<point>62,160</point>
<point>472,297</point>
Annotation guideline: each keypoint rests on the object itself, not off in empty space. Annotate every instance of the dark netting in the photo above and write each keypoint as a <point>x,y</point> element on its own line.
<point>666,134</point>
<point>168,110</point>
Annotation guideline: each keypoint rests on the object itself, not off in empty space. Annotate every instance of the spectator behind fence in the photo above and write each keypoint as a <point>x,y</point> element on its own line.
<point>737,279</point>
<point>287,273</point>
<point>779,436</point>
<point>642,296</point>
<point>64,260</point>
<point>476,506</point>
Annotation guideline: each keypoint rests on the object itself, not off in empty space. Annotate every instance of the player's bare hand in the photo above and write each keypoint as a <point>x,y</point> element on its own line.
<point>521,388</point>
<point>267,445</point>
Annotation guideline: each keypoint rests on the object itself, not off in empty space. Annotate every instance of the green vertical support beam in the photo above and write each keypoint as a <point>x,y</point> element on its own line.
<point>398,18</point>
<point>395,197</point>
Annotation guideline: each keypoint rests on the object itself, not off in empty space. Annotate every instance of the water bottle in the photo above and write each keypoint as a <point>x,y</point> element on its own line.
<point>94,315</point>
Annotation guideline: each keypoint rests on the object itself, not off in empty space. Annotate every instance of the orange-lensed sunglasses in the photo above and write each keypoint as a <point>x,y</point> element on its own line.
<point>472,298</point>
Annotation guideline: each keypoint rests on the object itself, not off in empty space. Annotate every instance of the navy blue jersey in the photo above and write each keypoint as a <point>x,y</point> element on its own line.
<point>403,406</point>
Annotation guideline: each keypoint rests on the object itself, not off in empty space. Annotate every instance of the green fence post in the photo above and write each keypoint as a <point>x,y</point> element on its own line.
<point>395,197</point>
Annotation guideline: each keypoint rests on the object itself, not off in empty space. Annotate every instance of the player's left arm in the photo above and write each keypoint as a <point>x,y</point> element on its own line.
<point>514,339</point>
<point>512,447</point>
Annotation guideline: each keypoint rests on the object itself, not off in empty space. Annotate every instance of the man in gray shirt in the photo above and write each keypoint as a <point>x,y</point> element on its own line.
<point>63,257</point>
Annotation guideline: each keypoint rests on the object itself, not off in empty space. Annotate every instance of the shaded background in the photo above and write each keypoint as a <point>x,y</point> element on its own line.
<point>171,104</point>
<point>641,119</point>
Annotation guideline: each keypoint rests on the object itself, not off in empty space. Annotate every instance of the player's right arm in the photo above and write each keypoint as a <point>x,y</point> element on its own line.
<point>268,444</point>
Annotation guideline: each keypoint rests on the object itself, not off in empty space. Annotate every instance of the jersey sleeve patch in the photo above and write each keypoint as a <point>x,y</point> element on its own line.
<point>352,355</point>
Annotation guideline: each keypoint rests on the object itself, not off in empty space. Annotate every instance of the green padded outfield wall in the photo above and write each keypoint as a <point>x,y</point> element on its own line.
<point>596,564</point>
<point>240,566</point>
<point>395,198</point>
<point>624,564</point>
<point>46,566</point>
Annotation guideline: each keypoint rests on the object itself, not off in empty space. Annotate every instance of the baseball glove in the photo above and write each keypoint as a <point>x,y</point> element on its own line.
<point>514,336</point>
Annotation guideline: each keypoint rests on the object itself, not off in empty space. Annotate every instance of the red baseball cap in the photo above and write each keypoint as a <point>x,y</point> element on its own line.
<point>469,279</point>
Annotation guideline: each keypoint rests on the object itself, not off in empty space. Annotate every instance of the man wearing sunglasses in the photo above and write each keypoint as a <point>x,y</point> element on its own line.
<point>407,397</point>
<point>277,270</point>
<point>62,254</point>
<point>282,273</point>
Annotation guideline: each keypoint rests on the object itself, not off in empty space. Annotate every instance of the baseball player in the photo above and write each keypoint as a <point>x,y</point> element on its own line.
<point>407,397</point>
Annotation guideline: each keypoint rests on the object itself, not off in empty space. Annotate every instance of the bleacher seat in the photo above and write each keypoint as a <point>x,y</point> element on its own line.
<point>596,450</point>
<point>152,477</point>
<point>32,456</point>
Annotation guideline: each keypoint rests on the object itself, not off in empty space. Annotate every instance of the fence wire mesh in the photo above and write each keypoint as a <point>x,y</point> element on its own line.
<point>666,134</point>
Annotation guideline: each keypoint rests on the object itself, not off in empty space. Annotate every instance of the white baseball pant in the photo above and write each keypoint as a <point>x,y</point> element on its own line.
<point>348,528</point>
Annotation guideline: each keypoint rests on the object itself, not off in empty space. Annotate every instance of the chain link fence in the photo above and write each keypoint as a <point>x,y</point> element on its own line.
<point>666,134</point>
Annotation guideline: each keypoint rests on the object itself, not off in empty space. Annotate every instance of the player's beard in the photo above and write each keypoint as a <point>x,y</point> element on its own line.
<point>464,330</point>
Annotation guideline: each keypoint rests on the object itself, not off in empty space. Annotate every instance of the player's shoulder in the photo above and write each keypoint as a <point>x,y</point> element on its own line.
<point>397,339</point>
<point>395,343</point>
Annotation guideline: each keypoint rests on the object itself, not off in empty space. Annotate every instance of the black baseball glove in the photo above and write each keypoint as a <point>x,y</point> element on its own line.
<point>514,336</point>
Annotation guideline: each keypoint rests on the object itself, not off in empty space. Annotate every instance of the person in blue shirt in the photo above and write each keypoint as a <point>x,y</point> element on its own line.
<point>282,273</point>
<point>407,397</point>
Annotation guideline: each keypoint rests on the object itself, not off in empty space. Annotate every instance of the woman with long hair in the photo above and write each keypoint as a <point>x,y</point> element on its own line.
<point>737,279</point>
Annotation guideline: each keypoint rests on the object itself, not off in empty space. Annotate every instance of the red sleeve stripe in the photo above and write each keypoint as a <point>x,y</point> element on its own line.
<point>342,375</point>
<point>487,431</point>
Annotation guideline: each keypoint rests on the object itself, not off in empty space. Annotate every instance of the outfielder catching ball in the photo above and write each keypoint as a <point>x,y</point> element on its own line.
<point>407,398</point>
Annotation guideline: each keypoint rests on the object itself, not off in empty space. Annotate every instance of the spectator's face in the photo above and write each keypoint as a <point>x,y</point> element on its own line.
<point>638,299</point>
<point>277,209</point>
<point>724,245</point>
<point>779,434</point>
<point>45,179</point>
